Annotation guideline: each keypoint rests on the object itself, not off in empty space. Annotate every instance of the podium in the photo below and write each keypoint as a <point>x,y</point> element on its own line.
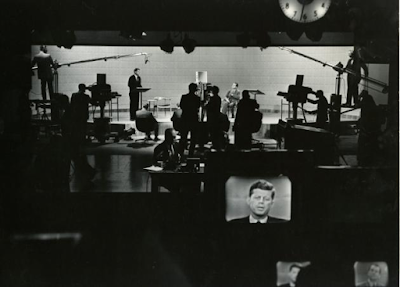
<point>255,93</point>
<point>141,91</point>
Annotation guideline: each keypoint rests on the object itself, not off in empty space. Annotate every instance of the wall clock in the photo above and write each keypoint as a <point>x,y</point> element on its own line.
<point>305,11</point>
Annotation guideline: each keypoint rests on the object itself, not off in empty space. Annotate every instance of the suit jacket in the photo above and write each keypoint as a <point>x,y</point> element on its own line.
<point>245,113</point>
<point>162,152</point>
<point>134,83</point>
<point>190,104</point>
<point>247,220</point>
<point>144,114</point>
<point>234,96</point>
<point>44,63</point>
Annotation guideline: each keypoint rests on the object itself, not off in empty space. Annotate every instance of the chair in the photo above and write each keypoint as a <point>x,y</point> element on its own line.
<point>144,125</point>
<point>163,103</point>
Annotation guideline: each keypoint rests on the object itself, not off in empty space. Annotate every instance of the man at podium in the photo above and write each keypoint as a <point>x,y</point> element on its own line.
<point>134,82</point>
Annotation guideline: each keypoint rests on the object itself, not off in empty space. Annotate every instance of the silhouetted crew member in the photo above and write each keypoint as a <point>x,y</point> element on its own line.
<point>168,153</point>
<point>145,114</point>
<point>45,64</point>
<point>244,121</point>
<point>168,150</point>
<point>369,125</point>
<point>190,104</point>
<point>354,64</point>
<point>79,110</point>
<point>134,82</point>
<point>322,109</point>
<point>213,107</point>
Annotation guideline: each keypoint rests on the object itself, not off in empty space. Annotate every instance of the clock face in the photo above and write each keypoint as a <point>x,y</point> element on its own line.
<point>304,11</point>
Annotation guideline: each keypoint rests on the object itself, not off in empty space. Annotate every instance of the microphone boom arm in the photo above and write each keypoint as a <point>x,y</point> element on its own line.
<point>340,69</point>
<point>116,57</point>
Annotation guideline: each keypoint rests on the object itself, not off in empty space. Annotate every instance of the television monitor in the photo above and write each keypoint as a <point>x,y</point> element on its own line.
<point>266,184</point>
<point>291,273</point>
<point>242,200</point>
<point>371,273</point>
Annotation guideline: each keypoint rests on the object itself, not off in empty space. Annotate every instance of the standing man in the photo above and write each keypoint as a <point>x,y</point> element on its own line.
<point>190,104</point>
<point>322,109</point>
<point>79,109</point>
<point>213,107</point>
<point>260,200</point>
<point>45,64</point>
<point>134,82</point>
<point>245,121</point>
<point>354,64</point>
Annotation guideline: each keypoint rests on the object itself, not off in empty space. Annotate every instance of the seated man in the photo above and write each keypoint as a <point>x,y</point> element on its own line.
<point>260,200</point>
<point>145,114</point>
<point>167,151</point>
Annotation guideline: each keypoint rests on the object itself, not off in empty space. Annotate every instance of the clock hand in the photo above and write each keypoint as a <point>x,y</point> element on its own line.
<point>302,10</point>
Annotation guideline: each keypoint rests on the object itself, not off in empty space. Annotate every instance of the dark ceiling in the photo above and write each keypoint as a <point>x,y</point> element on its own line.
<point>192,15</point>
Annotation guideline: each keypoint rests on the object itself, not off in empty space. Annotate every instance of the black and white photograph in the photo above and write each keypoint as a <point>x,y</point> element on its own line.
<point>199,143</point>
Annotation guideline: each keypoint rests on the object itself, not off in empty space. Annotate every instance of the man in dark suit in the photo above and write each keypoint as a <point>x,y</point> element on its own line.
<point>134,82</point>
<point>260,200</point>
<point>294,271</point>
<point>44,63</point>
<point>190,104</point>
<point>213,107</point>
<point>245,120</point>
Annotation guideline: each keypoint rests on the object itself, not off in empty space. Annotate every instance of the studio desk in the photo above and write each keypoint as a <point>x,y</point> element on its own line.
<point>187,179</point>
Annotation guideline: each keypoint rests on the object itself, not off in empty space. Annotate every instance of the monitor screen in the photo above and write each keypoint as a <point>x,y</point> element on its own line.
<point>291,273</point>
<point>252,198</point>
<point>371,273</point>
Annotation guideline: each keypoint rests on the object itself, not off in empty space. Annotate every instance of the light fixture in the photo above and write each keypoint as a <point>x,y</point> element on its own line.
<point>167,45</point>
<point>63,38</point>
<point>188,44</point>
<point>243,39</point>
<point>263,40</point>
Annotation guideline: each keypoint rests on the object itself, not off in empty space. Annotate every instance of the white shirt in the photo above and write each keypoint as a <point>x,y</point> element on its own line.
<point>253,220</point>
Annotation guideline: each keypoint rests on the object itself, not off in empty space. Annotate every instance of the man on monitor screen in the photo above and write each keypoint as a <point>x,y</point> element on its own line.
<point>374,275</point>
<point>260,200</point>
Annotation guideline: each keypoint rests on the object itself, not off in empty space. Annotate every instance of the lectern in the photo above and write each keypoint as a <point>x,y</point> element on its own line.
<point>141,91</point>
<point>255,93</point>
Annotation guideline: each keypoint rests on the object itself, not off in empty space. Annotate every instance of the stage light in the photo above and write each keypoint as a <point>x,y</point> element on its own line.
<point>243,39</point>
<point>188,44</point>
<point>263,40</point>
<point>64,38</point>
<point>167,45</point>
<point>314,32</point>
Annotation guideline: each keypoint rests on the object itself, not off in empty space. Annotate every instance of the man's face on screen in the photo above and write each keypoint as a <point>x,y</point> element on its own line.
<point>374,273</point>
<point>293,273</point>
<point>260,202</point>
